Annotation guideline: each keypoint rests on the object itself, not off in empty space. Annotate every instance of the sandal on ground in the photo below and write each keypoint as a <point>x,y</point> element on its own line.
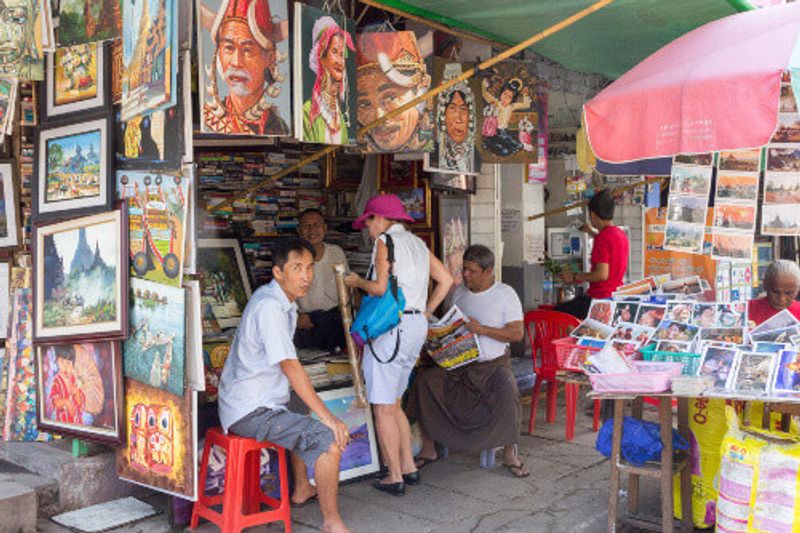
<point>518,470</point>
<point>303,503</point>
<point>420,462</point>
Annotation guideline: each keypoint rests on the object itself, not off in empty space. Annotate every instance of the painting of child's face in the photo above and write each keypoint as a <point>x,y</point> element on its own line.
<point>65,366</point>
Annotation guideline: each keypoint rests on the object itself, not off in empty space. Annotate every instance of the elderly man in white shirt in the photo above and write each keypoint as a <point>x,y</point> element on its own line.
<point>476,406</point>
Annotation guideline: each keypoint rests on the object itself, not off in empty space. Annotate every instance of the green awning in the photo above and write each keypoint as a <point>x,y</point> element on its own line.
<point>607,42</point>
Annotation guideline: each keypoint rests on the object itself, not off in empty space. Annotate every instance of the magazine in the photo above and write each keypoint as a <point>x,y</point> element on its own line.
<point>450,343</point>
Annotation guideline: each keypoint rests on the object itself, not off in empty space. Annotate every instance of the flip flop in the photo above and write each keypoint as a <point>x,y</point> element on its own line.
<point>303,504</point>
<point>420,462</point>
<point>523,472</point>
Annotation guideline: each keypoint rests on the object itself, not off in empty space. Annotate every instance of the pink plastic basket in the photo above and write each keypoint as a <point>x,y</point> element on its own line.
<point>650,377</point>
<point>569,354</point>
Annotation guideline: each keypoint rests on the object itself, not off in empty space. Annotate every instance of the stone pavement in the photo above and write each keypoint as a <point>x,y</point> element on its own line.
<point>566,491</point>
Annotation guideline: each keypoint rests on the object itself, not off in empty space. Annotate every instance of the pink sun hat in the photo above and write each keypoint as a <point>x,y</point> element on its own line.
<point>385,205</point>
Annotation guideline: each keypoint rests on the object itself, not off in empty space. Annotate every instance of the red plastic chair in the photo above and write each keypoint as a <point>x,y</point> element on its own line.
<point>242,496</point>
<point>543,327</point>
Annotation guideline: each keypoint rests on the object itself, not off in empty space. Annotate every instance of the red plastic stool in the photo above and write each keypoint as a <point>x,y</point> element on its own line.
<point>242,497</point>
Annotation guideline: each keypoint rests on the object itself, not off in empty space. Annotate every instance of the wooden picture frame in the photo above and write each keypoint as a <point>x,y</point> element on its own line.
<point>98,367</point>
<point>5,299</point>
<point>343,170</point>
<point>74,262</point>
<point>9,205</point>
<point>417,202</point>
<point>54,104</point>
<point>67,183</point>
<point>454,233</point>
<point>398,173</point>
<point>236,278</point>
<point>429,238</point>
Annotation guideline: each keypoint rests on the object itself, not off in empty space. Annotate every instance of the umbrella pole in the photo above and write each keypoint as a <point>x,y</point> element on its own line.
<point>345,310</point>
<point>572,19</point>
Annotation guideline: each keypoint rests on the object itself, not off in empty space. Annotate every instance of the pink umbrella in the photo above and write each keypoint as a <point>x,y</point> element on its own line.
<point>715,88</point>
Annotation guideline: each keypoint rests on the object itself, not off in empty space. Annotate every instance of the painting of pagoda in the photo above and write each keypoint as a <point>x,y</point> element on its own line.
<point>88,21</point>
<point>149,56</point>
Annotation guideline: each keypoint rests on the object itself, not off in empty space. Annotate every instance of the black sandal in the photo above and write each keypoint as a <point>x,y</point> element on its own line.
<point>420,462</point>
<point>521,469</point>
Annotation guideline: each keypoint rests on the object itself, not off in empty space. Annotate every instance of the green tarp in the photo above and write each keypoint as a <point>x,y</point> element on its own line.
<point>609,41</point>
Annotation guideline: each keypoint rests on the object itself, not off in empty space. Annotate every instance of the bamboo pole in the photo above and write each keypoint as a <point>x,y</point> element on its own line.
<point>646,181</point>
<point>352,351</point>
<point>572,19</point>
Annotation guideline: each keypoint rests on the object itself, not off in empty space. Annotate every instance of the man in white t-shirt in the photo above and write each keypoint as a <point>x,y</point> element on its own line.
<point>319,323</point>
<point>476,406</point>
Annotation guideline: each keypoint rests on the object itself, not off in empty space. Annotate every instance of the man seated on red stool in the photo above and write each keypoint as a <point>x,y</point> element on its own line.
<point>254,387</point>
<point>782,283</point>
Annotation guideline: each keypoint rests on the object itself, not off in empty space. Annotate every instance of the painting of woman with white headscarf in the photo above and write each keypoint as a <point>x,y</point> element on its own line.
<point>324,93</point>
<point>456,122</point>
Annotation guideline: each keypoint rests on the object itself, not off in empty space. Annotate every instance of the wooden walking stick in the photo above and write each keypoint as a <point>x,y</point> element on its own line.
<point>346,311</point>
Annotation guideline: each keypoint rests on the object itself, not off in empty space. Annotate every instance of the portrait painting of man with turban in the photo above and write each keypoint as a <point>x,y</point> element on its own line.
<point>243,66</point>
<point>455,116</point>
<point>392,72</point>
<point>325,74</point>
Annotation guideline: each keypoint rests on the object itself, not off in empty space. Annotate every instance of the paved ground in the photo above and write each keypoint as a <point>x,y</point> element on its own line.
<point>566,491</point>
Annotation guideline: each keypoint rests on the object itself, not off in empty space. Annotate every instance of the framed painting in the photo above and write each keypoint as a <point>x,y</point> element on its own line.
<point>5,298</point>
<point>88,22</point>
<point>76,80</point>
<point>80,279</point>
<point>9,206</point>
<point>73,164</point>
<point>261,95</point>
<point>225,286</point>
<point>417,202</point>
<point>360,458</point>
<point>160,451</point>
<point>79,390</point>
<point>454,231</point>
<point>396,173</point>
<point>428,237</point>
<point>155,349</point>
<point>343,170</point>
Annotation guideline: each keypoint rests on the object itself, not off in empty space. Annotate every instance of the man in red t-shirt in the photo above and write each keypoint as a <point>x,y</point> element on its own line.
<point>609,257</point>
<point>782,283</point>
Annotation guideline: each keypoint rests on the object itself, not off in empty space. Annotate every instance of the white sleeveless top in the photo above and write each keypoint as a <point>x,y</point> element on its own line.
<point>412,266</point>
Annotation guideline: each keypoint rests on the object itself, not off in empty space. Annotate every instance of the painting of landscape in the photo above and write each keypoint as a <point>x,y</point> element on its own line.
<point>88,21</point>
<point>224,285</point>
<point>73,167</point>
<point>78,281</point>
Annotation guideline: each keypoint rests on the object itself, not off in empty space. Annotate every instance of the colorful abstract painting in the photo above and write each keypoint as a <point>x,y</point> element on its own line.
<point>244,98</point>
<point>80,277</point>
<point>80,390</point>
<point>155,350</point>
<point>157,210</point>
<point>20,33</point>
<point>392,71</point>
<point>325,77</point>
<point>456,120</point>
<point>161,446</point>
<point>224,285</point>
<point>149,56</point>
<point>360,458</point>
<point>510,117</point>
<point>88,21</point>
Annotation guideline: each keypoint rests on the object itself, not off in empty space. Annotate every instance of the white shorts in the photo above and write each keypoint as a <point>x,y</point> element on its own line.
<point>386,382</point>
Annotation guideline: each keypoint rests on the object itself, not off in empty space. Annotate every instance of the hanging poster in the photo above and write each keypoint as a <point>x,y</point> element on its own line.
<point>149,56</point>
<point>454,229</point>
<point>154,352</point>
<point>689,187</point>
<point>224,284</point>
<point>80,390</point>
<point>456,120</point>
<point>161,446</point>
<point>157,212</point>
<point>20,33</point>
<point>88,21</point>
<point>253,98</point>
<point>391,72</point>
<point>76,80</point>
<point>325,77</point>
<point>510,114</point>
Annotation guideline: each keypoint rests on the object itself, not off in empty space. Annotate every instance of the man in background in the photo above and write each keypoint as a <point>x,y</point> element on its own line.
<point>319,324</point>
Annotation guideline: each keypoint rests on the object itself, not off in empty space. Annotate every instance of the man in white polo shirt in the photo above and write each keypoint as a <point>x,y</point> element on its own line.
<point>254,387</point>
<point>475,407</point>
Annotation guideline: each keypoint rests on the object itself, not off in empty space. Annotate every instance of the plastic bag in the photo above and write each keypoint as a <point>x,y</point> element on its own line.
<point>641,440</point>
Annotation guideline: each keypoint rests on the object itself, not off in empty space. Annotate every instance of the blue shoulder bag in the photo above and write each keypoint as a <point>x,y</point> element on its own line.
<point>380,314</point>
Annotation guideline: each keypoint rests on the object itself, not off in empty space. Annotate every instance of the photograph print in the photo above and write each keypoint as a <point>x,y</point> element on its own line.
<point>783,159</point>
<point>738,186</point>
<point>735,217</point>
<point>253,98</point>
<point>702,160</point>
<point>781,188</point>
<point>742,160</point>
<point>718,363</point>
<point>780,219</point>
<point>690,180</point>
<point>690,209</point>
<point>9,211</point>
<point>325,77</point>
<point>79,387</point>
<point>224,283</point>
<point>730,245</point>
<point>753,373</point>
<point>788,103</point>
<point>787,372</point>
<point>683,237</point>
<point>76,80</point>
<point>80,278</point>
<point>72,168</point>
<point>788,129</point>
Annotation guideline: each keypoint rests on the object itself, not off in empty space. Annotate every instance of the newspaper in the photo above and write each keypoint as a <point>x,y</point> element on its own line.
<point>450,343</point>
